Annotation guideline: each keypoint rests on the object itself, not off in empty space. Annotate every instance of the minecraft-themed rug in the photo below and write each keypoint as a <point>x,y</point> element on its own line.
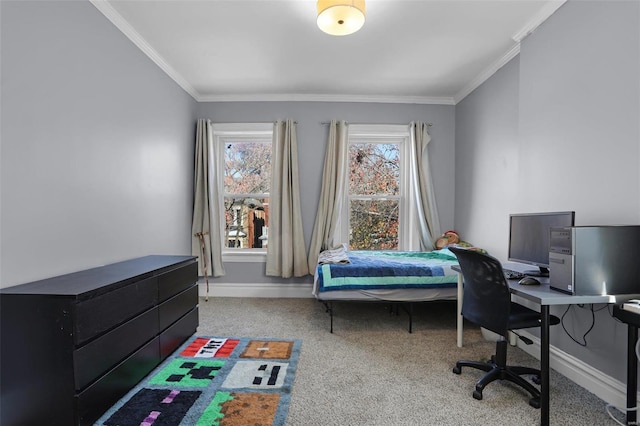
<point>214,381</point>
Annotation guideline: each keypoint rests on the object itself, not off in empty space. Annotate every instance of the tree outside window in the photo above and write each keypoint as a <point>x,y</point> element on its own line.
<point>247,176</point>
<point>374,195</point>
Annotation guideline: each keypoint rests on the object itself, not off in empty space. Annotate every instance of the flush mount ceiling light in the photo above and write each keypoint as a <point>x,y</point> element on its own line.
<point>340,17</point>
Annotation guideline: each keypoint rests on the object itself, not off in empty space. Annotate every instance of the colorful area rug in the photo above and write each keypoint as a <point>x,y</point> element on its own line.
<point>214,381</point>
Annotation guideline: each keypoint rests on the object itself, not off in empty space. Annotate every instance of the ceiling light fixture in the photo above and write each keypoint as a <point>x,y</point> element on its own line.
<point>340,17</point>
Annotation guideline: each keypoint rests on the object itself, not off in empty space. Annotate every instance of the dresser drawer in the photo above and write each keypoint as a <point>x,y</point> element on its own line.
<point>177,306</point>
<point>173,282</point>
<point>101,395</point>
<point>95,316</point>
<point>181,330</point>
<point>93,359</point>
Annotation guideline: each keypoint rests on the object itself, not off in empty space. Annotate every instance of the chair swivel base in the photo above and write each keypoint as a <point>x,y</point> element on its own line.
<point>498,370</point>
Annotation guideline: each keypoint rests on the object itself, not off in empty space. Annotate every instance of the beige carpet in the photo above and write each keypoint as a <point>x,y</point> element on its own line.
<point>371,371</point>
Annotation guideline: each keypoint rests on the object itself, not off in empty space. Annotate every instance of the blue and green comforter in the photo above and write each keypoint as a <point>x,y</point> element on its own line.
<point>389,269</point>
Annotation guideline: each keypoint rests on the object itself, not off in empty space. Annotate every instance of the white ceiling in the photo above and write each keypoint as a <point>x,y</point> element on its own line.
<point>409,51</point>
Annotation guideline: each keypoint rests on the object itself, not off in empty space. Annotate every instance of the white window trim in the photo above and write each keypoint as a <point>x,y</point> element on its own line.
<point>247,255</point>
<point>246,131</point>
<point>384,133</point>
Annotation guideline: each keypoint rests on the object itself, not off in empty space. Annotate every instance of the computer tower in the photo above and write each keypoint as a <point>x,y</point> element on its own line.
<point>595,260</point>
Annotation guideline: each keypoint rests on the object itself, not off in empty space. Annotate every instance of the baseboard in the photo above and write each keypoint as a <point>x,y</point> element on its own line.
<point>605,387</point>
<point>275,290</point>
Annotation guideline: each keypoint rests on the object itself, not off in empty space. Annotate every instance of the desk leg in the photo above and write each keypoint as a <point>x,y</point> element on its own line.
<point>544,366</point>
<point>632,373</point>
<point>460,319</point>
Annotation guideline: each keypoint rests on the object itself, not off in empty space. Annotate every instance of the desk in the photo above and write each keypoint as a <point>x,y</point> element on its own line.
<point>632,320</point>
<point>544,296</point>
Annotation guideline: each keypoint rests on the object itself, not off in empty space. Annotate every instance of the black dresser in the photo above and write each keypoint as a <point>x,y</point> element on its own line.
<point>71,346</point>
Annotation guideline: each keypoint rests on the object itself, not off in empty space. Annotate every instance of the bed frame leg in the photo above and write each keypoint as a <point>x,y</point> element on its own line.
<point>394,309</point>
<point>410,313</point>
<point>331,317</point>
<point>329,309</point>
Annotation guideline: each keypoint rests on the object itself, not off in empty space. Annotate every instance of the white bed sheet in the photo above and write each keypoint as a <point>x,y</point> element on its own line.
<point>390,295</point>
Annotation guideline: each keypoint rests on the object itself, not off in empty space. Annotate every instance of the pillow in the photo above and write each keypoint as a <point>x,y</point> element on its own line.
<point>337,255</point>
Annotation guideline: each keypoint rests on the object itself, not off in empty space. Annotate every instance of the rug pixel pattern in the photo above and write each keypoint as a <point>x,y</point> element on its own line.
<point>256,375</point>
<point>203,347</point>
<point>268,349</point>
<point>241,409</point>
<point>188,373</point>
<point>214,381</point>
<point>156,407</point>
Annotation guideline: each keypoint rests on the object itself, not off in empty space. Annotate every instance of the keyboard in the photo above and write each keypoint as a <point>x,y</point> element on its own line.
<point>512,275</point>
<point>632,305</point>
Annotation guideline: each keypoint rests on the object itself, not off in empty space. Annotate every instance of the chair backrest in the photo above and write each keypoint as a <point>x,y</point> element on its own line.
<point>487,298</point>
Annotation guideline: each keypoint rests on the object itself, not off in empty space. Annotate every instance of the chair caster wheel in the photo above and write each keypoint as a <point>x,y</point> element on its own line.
<point>477,395</point>
<point>534,402</point>
<point>456,370</point>
<point>536,379</point>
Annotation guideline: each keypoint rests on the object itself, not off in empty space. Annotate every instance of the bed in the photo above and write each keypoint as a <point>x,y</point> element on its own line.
<point>400,278</point>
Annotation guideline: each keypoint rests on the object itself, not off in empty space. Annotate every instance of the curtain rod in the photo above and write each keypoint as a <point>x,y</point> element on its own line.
<point>250,122</point>
<point>324,123</point>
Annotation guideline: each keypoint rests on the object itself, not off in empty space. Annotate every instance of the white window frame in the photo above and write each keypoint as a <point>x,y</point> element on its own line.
<point>389,134</point>
<point>235,132</point>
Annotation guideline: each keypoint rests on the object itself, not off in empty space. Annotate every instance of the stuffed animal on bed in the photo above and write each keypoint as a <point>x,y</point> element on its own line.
<point>451,238</point>
<point>448,238</point>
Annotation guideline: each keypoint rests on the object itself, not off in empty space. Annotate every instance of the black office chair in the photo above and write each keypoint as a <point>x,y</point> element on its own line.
<point>487,303</point>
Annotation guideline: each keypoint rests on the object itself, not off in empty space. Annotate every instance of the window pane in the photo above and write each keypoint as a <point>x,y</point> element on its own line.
<point>374,169</point>
<point>246,222</point>
<point>373,225</point>
<point>247,167</point>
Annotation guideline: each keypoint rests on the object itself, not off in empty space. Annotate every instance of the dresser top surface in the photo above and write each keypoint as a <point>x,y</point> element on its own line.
<point>87,281</point>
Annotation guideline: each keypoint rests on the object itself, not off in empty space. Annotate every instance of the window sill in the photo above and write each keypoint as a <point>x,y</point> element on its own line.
<point>245,256</point>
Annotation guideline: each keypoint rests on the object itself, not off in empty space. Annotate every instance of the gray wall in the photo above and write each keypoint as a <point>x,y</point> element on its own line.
<point>97,145</point>
<point>312,137</point>
<point>558,129</point>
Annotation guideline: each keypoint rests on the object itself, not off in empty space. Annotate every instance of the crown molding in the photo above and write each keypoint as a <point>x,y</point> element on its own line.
<point>316,97</point>
<point>543,14</point>
<point>116,19</point>
<point>112,15</point>
<point>487,73</point>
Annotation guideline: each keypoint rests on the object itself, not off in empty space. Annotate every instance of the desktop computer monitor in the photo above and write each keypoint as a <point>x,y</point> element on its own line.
<point>529,238</point>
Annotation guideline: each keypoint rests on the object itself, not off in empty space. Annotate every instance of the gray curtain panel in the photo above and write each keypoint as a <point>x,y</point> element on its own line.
<point>422,185</point>
<point>286,253</point>
<point>206,204</point>
<point>332,194</point>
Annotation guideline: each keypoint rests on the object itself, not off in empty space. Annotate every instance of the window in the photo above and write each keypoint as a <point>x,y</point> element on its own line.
<point>244,152</point>
<point>376,213</point>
